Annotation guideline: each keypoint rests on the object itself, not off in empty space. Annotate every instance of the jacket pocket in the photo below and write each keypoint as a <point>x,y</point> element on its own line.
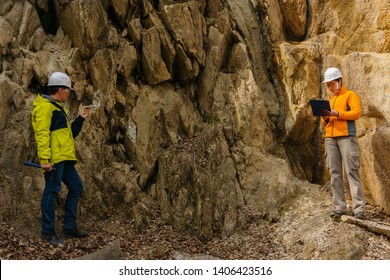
<point>62,146</point>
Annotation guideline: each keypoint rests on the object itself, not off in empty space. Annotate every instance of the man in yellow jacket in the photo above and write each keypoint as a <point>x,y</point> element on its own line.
<point>54,136</point>
<point>341,145</point>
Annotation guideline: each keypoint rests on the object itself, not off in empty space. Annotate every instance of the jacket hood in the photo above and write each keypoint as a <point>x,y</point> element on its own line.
<point>38,101</point>
<point>42,98</point>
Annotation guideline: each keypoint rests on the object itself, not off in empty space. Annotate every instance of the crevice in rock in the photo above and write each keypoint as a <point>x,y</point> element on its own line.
<point>112,17</point>
<point>120,110</point>
<point>318,151</point>
<point>308,19</point>
<point>225,67</point>
<point>111,137</point>
<point>319,168</point>
<point>35,87</point>
<point>156,4</point>
<point>152,177</point>
<point>183,132</point>
<point>49,19</point>
<point>121,84</point>
<point>267,56</point>
<point>230,141</point>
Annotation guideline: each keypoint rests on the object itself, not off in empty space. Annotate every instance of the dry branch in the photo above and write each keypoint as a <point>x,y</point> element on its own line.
<point>379,228</point>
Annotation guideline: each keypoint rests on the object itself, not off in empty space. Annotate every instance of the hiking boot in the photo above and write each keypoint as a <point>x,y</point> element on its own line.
<point>336,215</point>
<point>75,233</point>
<point>53,239</point>
<point>360,216</point>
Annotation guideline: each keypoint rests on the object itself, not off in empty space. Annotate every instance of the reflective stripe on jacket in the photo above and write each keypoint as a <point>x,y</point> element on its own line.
<point>347,103</point>
<point>53,132</point>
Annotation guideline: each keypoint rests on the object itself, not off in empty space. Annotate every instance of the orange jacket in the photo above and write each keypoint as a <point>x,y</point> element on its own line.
<point>347,103</point>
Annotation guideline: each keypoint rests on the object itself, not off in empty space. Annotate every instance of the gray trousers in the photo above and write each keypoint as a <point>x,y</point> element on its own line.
<point>339,151</point>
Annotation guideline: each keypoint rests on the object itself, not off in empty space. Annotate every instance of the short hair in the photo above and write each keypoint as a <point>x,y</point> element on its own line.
<point>53,89</point>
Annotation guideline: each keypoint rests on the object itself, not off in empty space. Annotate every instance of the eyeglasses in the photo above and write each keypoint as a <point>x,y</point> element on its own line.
<point>66,90</point>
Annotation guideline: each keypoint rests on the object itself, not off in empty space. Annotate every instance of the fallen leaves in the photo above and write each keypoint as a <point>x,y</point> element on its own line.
<point>255,239</point>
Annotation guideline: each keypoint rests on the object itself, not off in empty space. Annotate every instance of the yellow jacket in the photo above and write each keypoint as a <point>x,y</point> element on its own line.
<point>53,132</point>
<point>347,103</point>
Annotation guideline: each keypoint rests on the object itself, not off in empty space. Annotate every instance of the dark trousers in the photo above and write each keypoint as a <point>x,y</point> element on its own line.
<point>64,172</point>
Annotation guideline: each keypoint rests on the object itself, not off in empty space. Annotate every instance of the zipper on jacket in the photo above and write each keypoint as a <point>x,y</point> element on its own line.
<point>334,102</point>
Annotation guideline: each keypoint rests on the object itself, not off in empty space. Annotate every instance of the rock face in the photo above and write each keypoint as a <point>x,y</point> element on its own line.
<point>203,104</point>
<point>197,185</point>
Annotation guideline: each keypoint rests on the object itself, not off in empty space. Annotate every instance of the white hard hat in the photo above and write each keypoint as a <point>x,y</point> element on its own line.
<point>60,79</point>
<point>331,74</point>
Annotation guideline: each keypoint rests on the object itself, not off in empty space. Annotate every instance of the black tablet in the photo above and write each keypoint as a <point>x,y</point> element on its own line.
<point>318,106</point>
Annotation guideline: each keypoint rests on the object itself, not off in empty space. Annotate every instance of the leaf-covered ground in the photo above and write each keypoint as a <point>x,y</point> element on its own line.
<point>19,239</point>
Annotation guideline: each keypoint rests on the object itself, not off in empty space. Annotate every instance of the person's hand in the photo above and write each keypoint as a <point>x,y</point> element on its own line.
<point>331,113</point>
<point>85,112</point>
<point>47,167</point>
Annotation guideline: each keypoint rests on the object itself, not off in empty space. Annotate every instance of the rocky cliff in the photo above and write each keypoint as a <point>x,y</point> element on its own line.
<point>201,105</point>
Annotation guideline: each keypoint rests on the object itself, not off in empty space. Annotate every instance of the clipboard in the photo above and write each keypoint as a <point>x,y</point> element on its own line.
<point>318,106</point>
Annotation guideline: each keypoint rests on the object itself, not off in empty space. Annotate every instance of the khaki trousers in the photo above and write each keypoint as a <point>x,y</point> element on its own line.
<point>339,151</point>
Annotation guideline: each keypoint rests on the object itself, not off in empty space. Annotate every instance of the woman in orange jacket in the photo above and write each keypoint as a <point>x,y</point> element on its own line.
<point>341,144</point>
